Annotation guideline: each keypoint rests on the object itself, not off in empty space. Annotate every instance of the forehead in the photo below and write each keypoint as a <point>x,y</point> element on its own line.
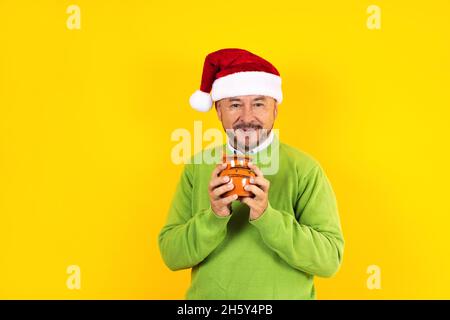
<point>246,98</point>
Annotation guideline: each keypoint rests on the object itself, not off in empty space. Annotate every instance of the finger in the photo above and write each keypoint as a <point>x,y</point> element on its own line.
<point>217,192</point>
<point>255,169</point>
<point>261,182</point>
<point>215,182</point>
<point>255,190</point>
<point>226,201</point>
<point>249,201</point>
<point>218,169</point>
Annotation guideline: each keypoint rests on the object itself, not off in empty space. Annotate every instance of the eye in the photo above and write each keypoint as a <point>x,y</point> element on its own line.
<point>259,105</point>
<point>235,105</point>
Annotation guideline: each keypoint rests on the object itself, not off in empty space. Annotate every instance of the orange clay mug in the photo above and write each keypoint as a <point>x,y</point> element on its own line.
<point>239,172</point>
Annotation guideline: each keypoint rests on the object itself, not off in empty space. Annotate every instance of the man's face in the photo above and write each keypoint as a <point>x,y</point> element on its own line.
<point>247,120</point>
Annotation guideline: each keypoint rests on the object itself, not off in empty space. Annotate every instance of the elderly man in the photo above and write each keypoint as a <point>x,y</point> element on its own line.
<point>266,246</point>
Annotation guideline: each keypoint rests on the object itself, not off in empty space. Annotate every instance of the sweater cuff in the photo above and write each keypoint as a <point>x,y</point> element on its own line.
<point>268,220</point>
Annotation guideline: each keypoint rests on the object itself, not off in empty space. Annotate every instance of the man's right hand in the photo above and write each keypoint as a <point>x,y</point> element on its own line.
<point>218,186</point>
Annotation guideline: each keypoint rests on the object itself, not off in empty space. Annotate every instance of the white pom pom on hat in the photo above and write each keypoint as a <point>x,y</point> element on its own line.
<point>201,101</point>
<point>235,72</point>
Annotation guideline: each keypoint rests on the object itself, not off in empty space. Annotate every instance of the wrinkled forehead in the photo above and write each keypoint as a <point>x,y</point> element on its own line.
<point>249,98</point>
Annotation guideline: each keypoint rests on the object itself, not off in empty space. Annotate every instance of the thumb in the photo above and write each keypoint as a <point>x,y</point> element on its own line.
<point>248,201</point>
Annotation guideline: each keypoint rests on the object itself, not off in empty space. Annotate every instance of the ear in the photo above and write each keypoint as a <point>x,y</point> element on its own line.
<point>218,110</point>
<point>275,110</point>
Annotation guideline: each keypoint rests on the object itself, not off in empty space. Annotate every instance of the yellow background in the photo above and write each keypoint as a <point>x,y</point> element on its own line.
<point>86,118</point>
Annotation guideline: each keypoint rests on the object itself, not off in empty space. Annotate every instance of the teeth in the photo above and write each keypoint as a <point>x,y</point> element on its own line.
<point>251,130</point>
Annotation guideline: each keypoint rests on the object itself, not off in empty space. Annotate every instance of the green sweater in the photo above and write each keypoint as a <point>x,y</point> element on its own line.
<point>273,257</point>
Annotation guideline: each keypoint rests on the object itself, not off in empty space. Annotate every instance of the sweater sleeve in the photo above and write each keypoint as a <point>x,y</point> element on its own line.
<point>189,237</point>
<point>314,244</point>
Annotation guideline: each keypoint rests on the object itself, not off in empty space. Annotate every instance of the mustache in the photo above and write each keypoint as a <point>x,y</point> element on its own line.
<point>247,126</point>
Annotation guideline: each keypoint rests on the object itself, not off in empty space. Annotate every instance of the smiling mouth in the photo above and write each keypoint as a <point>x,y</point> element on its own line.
<point>247,129</point>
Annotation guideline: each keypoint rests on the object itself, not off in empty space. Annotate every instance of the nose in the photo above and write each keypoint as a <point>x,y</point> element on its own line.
<point>247,113</point>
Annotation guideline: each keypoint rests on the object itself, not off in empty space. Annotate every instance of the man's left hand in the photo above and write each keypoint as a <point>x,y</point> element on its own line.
<point>259,186</point>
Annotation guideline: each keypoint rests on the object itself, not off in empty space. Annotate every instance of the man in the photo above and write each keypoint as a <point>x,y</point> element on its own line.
<point>266,246</point>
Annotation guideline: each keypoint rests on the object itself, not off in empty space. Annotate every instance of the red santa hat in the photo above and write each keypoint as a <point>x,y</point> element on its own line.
<point>235,72</point>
